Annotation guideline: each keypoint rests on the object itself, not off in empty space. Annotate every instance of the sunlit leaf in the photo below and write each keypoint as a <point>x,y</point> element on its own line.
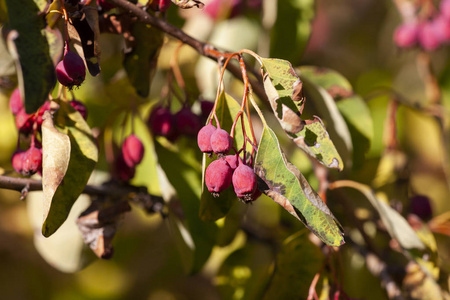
<point>29,48</point>
<point>140,61</point>
<point>65,250</point>
<point>346,114</point>
<point>294,272</point>
<point>396,225</point>
<point>287,186</point>
<point>188,3</point>
<point>285,92</point>
<point>83,158</point>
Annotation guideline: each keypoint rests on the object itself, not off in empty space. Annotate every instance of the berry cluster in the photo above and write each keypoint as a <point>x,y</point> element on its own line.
<point>28,162</point>
<point>183,123</point>
<point>131,154</point>
<point>226,169</point>
<point>429,34</point>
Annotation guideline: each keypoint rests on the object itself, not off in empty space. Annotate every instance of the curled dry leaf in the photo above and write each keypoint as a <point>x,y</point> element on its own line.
<point>98,225</point>
<point>188,3</point>
<point>55,159</point>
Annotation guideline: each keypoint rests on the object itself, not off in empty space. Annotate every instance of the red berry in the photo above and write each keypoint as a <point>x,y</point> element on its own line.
<point>221,142</point>
<point>132,150</point>
<point>71,70</point>
<point>224,9</point>
<point>41,111</point>
<point>244,182</point>
<point>17,161</point>
<point>204,138</point>
<point>406,35</point>
<point>121,171</point>
<point>218,176</point>
<point>428,36</point>
<point>233,161</point>
<point>15,102</point>
<point>444,8</point>
<point>161,122</point>
<point>441,27</point>
<point>164,5</point>
<point>187,123</point>
<point>32,161</point>
<point>80,107</point>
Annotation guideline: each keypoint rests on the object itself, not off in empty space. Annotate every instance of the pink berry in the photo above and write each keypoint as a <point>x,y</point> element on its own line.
<point>224,9</point>
<point>428,36</point>
<point>15,101</point>
<point>17,161</point>
<point>444,8</point>
<point>32,161</point>
<point>441,26</point>
<point>161,122</point>
<point>204,138</point>
<point>218,176</point>
<point>221,142</point>
<point>41,111</point>
<point>71,70</point>
<point>132,150</point>
<point>80,107</point>
<point>244,182</point>
<point>406,35</point>
<point>233,161</point>
<point>187,123</point>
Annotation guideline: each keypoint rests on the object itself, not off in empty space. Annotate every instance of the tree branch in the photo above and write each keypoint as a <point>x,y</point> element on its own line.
<point>202,48</point>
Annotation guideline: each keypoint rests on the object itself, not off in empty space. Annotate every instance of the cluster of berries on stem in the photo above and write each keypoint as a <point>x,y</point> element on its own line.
<point>428,29</point>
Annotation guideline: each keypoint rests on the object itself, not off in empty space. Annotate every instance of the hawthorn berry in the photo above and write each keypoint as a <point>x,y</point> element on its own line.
<point>244,182</point>
<point>161,122</point>
<point>406,35</point>
<point>428,36</point>
<point>218,176</point>
<point>221,142</point>
<point>31,161</point>
<point>24,121</point>
<point>132,150</point>
<point>71,71</point>
<point>233,161</point>
<point>164,5</point>
<point>204,138</point>
<point>15,102</point>
<point>187,123</point>
<point>80,107</point>
<point>444,8</point>
<point>17,160</point>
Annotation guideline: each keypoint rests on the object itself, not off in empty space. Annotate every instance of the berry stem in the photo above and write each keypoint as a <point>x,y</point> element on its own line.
<point>66,21</point>
<point>177,72</point>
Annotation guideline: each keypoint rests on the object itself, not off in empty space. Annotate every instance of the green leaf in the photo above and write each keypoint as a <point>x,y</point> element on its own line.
<point>140,62</point>
<point>29,48</point>
<point>294,272</point>
<point>183,172</point>
<point>212,208</point>
<point>292,28</point>
<point>83,158</point>
<point>285,92</point>
<point>347,115</point>
<point>287,186</point>
<point>396,225</point>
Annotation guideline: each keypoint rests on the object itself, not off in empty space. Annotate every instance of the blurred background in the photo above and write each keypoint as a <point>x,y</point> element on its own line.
<point>352,37</point>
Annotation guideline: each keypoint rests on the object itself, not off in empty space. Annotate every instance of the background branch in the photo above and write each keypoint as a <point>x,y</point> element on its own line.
<point>202,48</point>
